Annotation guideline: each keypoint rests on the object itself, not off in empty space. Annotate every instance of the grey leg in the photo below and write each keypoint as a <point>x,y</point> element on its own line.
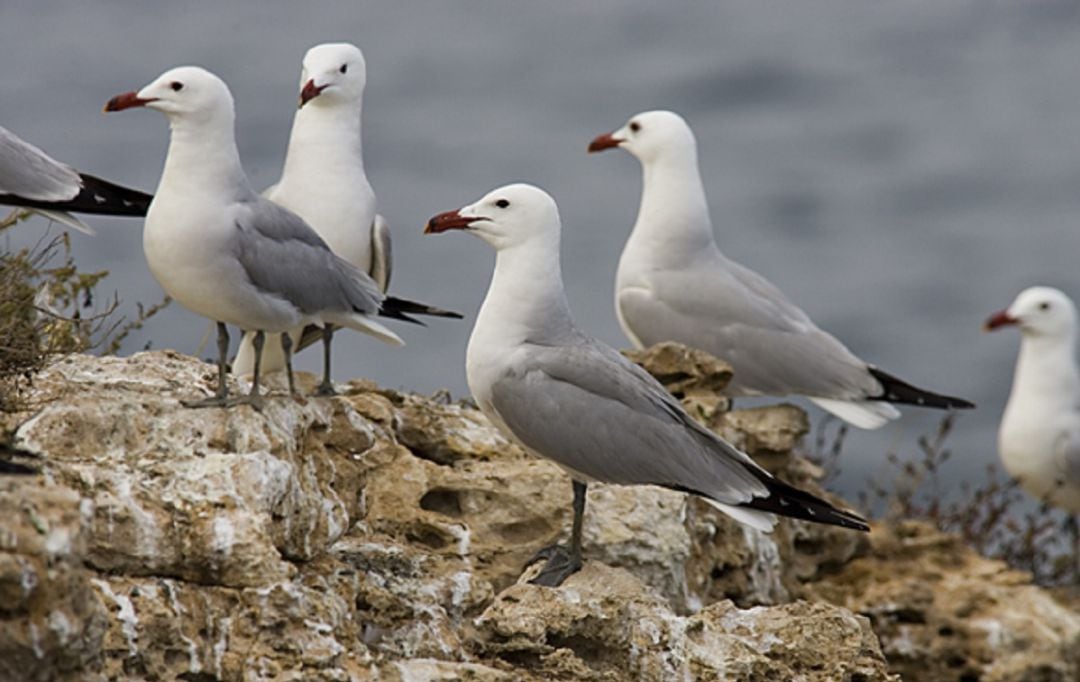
<point>286,349</point>
<point>326,387</point>
<point>257,343</point>
<point>221,397</point>
<point>562,562</point>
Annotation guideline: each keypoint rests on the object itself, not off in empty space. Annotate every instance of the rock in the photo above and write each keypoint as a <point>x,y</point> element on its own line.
<point>943,612</point>
<point>692,375</point>
<point>604,624</point>
<point>51,622</point>
<point>382,535</point>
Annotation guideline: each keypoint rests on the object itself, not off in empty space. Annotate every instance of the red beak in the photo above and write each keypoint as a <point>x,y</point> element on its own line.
<point>451,220</point>
<point>602,142</point>
<point>999,319</point>
<point>309,92</point>
<point>126,101</point>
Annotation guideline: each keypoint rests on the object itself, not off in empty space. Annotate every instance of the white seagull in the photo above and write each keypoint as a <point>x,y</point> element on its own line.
<point>673,284</point>
<point>228,254</point>
<point>1039,438</point>
<point>565,396</point>
<point>323,180</point>
<point>30,178</point>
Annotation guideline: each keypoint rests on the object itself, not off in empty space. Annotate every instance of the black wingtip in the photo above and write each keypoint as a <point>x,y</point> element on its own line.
<point>398,307</point>
<point>787,500</point>
<point>898,391</point>
<point>96,196</point>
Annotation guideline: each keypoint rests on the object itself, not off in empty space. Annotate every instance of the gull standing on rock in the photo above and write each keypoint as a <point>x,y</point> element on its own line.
<point>1039,438</point>
<point>228,254</point>
<point>324,182</point>
<point>673,284</point>
<point>32,179</point>
<point>562,395</point>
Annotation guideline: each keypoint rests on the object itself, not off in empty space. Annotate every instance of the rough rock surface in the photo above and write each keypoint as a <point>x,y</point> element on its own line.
<point>942,612</point>
<point>382,535</point>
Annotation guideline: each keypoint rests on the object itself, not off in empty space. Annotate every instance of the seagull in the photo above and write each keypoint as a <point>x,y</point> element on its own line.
<point>221,250</point>
<point>565,396</point>
<point>673,284</point>
<point>32,179</point>
<point>324,182</point>
<point>1039,438</point>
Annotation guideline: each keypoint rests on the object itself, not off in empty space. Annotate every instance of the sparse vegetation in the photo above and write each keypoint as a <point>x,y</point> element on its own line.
<point>48,307</point>
<point>987,515</point>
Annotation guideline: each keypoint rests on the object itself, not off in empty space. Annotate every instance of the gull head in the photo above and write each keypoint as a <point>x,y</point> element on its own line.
<point>505,217</point>
<point>1038,311</point>
<point>333,73</point>
<point>650,135</point>
<point>186,92</point>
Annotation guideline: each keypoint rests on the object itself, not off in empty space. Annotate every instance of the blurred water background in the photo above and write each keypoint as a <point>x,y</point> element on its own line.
<point>900,169</point>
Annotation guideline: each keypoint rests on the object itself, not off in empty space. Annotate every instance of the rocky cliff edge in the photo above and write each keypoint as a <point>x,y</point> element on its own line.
<point>381,535</point>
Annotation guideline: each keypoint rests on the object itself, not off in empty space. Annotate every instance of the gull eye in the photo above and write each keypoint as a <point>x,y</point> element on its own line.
<point>344,68</point>
<point>1045,305</point>
<point>635,126</point>
<point>502,203</point>
<point>177,86</point>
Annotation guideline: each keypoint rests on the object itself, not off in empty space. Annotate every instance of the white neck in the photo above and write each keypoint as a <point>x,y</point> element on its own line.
<point>673,221</point>
<point>210,146</point>
<point>1046,371</point>
<point>325,137</point>
<point>526,300</point>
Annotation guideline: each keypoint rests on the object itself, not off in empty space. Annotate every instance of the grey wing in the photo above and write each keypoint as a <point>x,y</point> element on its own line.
<point>28,172</point>
<point>737,315</point>
<point>381,253</point>
<point>1067,457</point>
<point>588,409</point>
<point>282,255</point>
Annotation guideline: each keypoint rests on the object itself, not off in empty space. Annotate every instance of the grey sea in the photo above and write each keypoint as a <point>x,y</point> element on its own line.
<point>900,169</point>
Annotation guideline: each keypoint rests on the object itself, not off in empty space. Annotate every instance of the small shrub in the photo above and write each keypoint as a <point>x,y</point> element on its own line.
<point>48,307</point>
<point>987,515</point>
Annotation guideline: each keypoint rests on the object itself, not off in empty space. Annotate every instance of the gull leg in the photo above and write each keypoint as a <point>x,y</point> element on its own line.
<point>562,562</point>
<point>286,349</point>
<point>326,387</point>
<point>221,397</point>
<point>253,398</point>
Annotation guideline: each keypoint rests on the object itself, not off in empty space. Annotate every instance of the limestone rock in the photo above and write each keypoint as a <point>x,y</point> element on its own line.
<point>51,623</point>
<point>603,624</point>
<point>943,612</point>
<point>380,535</point>
<point>692,375</point>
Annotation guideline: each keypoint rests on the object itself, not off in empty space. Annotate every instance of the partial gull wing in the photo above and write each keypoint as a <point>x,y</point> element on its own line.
<point>28,172</point>
<point>381,253</point>
<point>279,253</point>
<point>598,415</point>
<point>725,310</point>
<point>32,179</point>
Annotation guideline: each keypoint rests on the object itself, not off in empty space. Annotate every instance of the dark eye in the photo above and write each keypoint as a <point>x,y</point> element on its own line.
<point>344,68</point>
<point>1045,305</point>
<point>177,86</point>
<point>635,126</point>
<point>502,203</point>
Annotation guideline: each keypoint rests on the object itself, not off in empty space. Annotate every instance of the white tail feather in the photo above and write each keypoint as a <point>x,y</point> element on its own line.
<point>864,414</point>
<point>273,358</point>
<point>367,325</point>
<point>759,520</point>
<point>66,219</point>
